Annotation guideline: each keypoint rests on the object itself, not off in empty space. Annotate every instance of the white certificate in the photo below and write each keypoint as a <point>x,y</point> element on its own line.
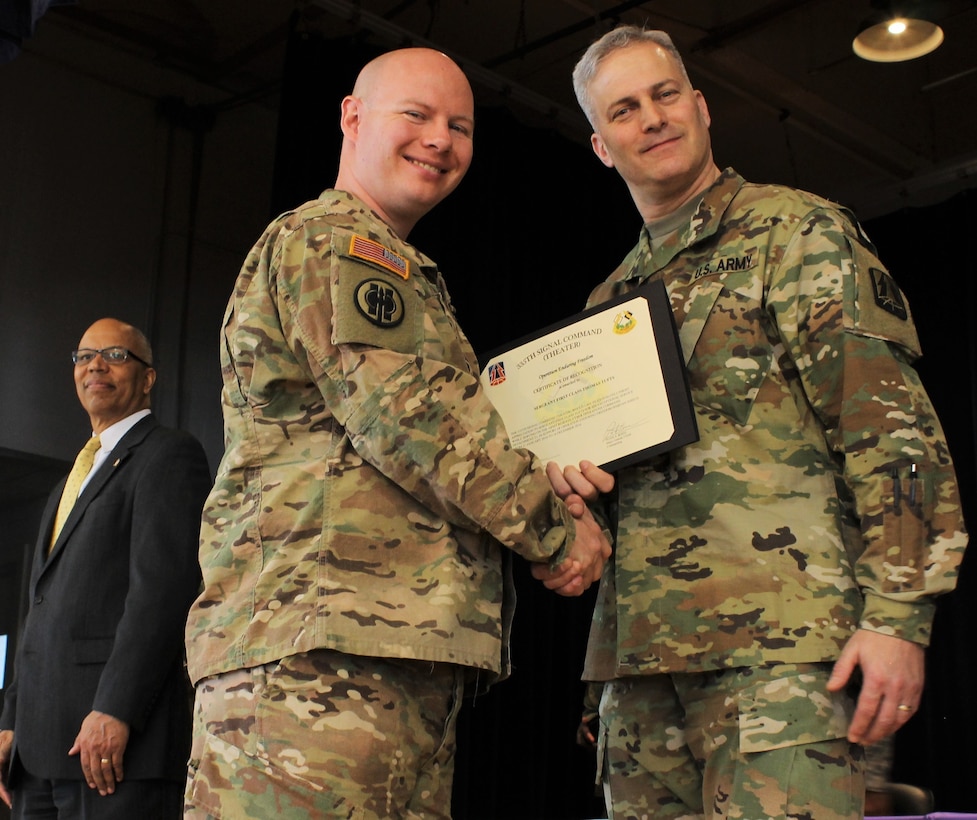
<point>607,385</point>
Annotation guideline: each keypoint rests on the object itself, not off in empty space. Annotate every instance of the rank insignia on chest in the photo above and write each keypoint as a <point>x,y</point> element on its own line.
<point>371,251</point>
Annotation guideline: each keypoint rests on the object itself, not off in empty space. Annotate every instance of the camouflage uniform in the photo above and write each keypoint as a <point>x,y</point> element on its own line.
<point>367,486</point>
<point>820,496</point>
<point>327,735</point>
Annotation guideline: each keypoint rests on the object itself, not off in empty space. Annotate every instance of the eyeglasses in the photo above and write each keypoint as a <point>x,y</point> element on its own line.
<point>110,355</point>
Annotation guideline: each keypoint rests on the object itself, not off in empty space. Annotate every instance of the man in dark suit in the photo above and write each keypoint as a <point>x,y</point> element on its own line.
<point>96,723</point>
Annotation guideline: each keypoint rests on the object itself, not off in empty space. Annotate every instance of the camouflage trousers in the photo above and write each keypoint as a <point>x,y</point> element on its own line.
<point>748,743</point>
<point>325,735</point>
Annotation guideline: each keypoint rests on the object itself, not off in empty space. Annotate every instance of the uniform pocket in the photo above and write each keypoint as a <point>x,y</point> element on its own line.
<point>906,512</point>
<point>732,354</point>
<point>228,782</point>
<point>790,711</point>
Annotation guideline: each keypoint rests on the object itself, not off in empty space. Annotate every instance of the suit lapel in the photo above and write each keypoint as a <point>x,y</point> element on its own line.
<point>42,553</point>
<point>103,475</point>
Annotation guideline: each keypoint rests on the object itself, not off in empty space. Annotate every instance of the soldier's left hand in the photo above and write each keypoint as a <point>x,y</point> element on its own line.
<point>588,480</point>
<point>892,683</point>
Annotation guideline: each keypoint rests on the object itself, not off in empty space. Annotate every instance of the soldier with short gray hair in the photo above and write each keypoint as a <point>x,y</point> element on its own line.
<point>772,589</point>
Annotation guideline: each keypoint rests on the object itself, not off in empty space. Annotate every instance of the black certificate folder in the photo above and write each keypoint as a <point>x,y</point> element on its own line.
<point>608,385</point>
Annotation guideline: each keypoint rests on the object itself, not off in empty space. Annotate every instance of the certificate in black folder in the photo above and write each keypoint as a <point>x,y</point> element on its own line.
<point>608,385</point>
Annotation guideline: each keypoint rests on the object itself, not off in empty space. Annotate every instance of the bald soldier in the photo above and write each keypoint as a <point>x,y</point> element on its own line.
<point>352,545</point>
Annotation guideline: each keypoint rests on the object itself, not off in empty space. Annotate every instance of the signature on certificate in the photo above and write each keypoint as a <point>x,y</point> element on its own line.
<point>617,432</point>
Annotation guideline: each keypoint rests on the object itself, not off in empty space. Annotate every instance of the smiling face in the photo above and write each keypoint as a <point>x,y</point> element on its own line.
<point>652,126</point>
<point>407,134</point>
<point>111,392</point>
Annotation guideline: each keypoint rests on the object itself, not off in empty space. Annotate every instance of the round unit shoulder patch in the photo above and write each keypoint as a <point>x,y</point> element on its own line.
<point>379,302</point>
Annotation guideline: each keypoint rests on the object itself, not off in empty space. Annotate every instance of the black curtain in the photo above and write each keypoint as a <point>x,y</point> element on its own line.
<point>18,19</point>
<point>925,250</point>
<point>535,225</point>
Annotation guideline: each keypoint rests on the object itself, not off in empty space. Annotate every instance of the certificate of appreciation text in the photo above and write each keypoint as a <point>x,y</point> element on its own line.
<point>607,385</point>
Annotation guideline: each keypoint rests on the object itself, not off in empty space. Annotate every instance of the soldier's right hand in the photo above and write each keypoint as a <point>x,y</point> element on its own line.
<point>586,556</point>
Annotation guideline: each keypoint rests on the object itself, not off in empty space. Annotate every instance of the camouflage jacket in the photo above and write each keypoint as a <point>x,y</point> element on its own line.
<point>366,484</point>
<point>820,496</point>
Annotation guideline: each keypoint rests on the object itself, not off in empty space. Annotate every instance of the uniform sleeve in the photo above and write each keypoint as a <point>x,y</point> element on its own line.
<point>424,422</point>
<point>849,333</point>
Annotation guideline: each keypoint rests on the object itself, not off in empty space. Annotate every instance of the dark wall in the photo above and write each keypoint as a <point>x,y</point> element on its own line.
<point>925,249</point>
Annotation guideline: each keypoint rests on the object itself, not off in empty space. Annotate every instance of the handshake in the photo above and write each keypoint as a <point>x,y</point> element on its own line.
<point>590,550</point>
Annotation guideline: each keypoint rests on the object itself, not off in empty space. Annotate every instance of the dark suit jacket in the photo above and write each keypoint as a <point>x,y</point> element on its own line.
<point>107,611</point>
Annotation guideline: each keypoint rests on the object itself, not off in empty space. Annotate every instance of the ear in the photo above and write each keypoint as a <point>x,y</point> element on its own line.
<point>601,150</point>
<point>703,108</point>
<point>149,379</point>
<point>349,117</point>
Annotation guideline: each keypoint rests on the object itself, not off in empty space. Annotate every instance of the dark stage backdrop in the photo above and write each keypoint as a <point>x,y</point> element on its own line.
<point>927,252</point>
<point>535,225</point>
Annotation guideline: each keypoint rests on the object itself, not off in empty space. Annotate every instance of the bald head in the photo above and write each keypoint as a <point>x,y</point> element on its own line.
<point>374,72</point>
<point>380,71</point>
<point>407,134</point>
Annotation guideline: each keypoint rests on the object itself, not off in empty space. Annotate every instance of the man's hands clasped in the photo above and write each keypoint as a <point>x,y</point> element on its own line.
<point>590,550</point>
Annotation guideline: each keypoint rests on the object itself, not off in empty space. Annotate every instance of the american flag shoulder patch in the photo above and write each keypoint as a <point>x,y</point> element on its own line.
<point>372,251</point>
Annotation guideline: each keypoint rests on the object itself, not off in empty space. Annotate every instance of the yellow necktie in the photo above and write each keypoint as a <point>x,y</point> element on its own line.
<point>80,469</point>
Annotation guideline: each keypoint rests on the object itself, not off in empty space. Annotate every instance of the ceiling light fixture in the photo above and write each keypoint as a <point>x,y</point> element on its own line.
<point>893,34</point>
